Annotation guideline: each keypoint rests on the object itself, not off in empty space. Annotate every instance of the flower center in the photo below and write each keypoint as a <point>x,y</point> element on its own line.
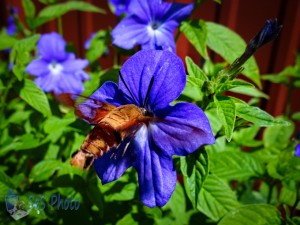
<point>55,68</point>
<point>154,25</point>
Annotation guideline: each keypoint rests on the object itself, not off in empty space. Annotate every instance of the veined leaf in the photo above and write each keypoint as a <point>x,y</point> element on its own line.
<point>233,84</point>
<point>194,168</point>
<point>257,116</point>
<point>57,10</point>
<point>217,199</point>
<point>194,70</point>
<point>235,165</point>
<point>196,33</point>
<point>226,111</point>
<point>35,97</point>
<point>258,214</point>
<point>230,46</point>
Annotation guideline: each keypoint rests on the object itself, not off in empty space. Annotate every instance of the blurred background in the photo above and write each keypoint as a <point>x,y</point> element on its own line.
<point>245,17</point>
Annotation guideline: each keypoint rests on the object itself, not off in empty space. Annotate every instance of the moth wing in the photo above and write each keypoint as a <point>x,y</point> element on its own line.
<point>91,110</point>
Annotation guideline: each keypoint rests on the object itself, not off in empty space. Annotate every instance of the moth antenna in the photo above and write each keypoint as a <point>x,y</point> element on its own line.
<point>122,78</point>
<point>148,92</point>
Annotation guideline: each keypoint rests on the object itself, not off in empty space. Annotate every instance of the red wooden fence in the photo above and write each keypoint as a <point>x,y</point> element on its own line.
<point>246,17</point>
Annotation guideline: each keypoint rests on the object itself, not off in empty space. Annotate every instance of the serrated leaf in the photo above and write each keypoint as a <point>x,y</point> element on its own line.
<point>226,111</point>
<point>258,214</point>
<point>57,10</point>
<point>217,199</point>
<point>235,165</point>
<point>44,170</point>
<point>230,46</point>
<point>246,136</point>
<point>194,70</point>
<point>194,167</point>
<point>233,84</point>
<point>257,116</point>
<point>196,33</point>
<point>35,97</point>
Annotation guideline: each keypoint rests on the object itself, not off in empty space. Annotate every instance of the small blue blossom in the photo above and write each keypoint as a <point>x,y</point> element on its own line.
<point>87,43</point>
<point>173,130</point>
<point>57,70</point>
<point>11,27</point>
<point>297,151</point>
<point>151,24</point>
<point>121,6</point>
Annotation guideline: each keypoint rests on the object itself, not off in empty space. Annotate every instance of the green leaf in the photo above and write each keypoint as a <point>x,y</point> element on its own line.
<point>296,116</point>
<point>194,168</point>
<point>177,205</point>
<point>98,45</point>
<point>29,8</point>
<point>246,136</point>
<point>6,41</point>
<point>6,184</point>
<point>128,219</point>
<point>217,199</point>
<point>226,111</point>
<point>230,46</point>
<point>44,170</point>
<point>54,11</point>
<point>250,92</point>
<point>196,33</point>
<point>276,78</point>
<point>257,116</point>
<point>21,54</point>
<point>258,214</point>
<point>35,97</point>
<point>194,70</point>
<point>214,120</point>
<point>278,136</point>
<point>233,84</point>
<point>53,124</point>
<point>235,165</point>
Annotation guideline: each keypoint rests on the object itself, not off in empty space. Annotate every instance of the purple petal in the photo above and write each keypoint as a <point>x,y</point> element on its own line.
<point>109,93</point>
<point>178,12</point>
<point>113,164</point>
<point>297,151</point>
<point>72,65</point>
<point>47,82</point>
<point>145,10</point>
<point>184,129</point>
<point>130,32</point>
<point>69,84</point>
<point>164,67</point>
<point>38,67</point>
<point>52,47</point>
<point>156,172</point>
<point>121,6</point>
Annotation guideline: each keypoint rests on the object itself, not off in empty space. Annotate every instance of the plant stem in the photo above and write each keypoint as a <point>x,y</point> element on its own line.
<point>60,28</point>
<point>289,98</point>
<point>271,187</point>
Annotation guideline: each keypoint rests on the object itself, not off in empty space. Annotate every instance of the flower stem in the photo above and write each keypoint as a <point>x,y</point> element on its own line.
<point>289,98</point>
<point>60,26</point>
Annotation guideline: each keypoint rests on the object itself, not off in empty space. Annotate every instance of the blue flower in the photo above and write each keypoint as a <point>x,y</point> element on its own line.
<point>121,6</point>
<point>173,130</point>
<point>87,43</point>
<point>12,28</point>
<point>57,70</point>
<point>151,24</point>
<point>297,151</point>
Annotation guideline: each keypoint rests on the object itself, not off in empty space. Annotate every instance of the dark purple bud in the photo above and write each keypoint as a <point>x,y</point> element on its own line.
<point>268,33</point>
